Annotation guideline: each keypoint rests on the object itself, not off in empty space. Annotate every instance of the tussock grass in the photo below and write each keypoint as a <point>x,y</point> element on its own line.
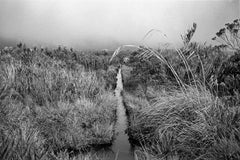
<point>191,125</point>
<point>187,121</point>
<point>48,106</point>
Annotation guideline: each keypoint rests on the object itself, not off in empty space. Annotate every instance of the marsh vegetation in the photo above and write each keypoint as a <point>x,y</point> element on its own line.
<point>184,103</point>
<point>181,103</point>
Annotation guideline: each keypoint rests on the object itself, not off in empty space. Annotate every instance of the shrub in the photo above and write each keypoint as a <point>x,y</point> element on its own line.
<point>228,75</point>
<point>229,35</point>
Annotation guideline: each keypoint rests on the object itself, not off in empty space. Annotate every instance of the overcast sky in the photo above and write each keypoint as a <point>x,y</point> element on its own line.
<point>105,23</point>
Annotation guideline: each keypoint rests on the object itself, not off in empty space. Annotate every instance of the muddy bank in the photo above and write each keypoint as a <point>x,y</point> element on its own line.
<point>131,113</point>
<point>136,132</point>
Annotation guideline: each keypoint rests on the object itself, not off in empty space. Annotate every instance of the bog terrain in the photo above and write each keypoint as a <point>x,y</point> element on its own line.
<point>134,103</point>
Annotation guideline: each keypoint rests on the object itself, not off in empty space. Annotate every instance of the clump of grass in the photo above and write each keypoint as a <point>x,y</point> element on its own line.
<point>191,125</point>
<point>188,122</point>
<point>79,125</point>
<point>20,139</point>
<point>48,107</point>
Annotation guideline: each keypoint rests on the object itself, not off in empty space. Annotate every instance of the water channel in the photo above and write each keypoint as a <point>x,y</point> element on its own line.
<point>121,149</point>
<point>121,145</point>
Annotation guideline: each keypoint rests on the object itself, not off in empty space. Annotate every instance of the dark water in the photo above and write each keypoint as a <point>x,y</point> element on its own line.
<point>121,145</point>
<point>121,149</point>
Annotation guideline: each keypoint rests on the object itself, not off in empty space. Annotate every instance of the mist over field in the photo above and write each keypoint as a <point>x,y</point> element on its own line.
<point>109,23</point>
<point>88,79</point>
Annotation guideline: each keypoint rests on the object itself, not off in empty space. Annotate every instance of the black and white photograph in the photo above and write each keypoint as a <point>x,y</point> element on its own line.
<point>119,79</point>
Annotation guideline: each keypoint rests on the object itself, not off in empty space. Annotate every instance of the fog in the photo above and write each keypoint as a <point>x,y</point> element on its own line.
<point>109,23</point>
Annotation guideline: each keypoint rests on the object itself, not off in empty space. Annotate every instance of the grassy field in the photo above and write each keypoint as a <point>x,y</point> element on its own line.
<point>189,125</point>
<point>181,103</point>
<point>53,106</point>
<point>184,103</point>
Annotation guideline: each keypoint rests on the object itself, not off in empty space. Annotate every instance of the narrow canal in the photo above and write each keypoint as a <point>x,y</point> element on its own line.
<point>121,149</point>
<point>121,145</point>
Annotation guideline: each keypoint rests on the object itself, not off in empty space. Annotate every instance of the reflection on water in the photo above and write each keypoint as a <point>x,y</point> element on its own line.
<point>121,149</point>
